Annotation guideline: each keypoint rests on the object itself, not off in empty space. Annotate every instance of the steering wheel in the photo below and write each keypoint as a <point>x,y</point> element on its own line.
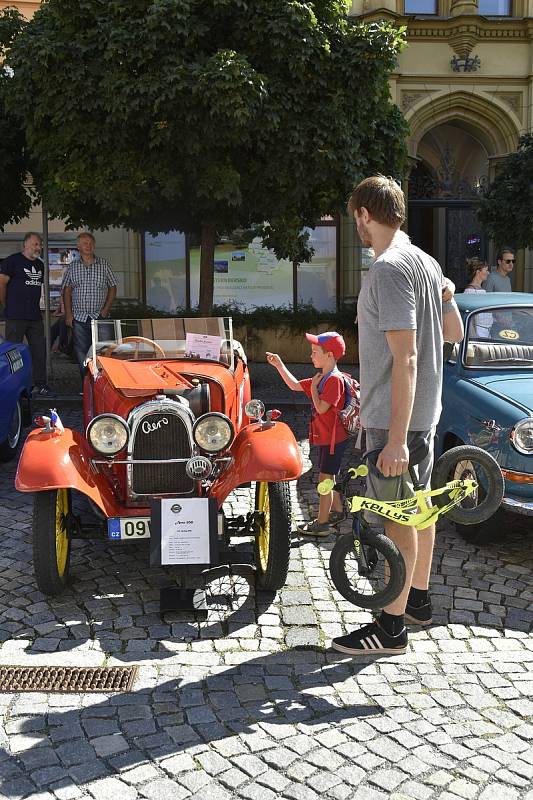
<point>139,340</point>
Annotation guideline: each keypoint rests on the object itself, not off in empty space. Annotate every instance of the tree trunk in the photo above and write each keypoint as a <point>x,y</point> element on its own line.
<point>207,268</point>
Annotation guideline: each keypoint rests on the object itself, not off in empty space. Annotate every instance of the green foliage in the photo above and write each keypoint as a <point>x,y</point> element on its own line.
<point>506,212</point>
<point>177,114</point>
<point>15,200</point>
<point>263,317</point>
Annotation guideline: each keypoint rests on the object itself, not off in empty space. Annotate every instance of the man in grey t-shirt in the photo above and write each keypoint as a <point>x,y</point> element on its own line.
<point>499,280</point>
<point>405,310</point>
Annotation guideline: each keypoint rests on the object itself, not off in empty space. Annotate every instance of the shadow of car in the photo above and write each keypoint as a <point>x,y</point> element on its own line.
<point>487,395</point>
<point>15,394</point>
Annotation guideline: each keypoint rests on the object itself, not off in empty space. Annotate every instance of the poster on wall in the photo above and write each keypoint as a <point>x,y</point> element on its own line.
<point>60,257</point>
<point>251,275</point>
<point>165,265</point>
<point>246,275</point>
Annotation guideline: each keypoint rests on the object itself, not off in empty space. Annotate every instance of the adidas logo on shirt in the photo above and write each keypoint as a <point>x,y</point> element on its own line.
<point>34,275</point>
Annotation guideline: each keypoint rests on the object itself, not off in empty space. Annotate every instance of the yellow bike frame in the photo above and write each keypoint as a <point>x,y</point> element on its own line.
<point>414,511</point>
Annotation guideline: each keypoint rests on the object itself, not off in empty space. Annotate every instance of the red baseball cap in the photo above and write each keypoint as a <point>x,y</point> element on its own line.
<point>330,340</point>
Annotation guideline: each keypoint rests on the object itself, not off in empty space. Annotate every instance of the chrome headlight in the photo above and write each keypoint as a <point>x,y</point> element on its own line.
<point>213,432</point>
<point>254,409</point>
<point>108,434</point>
<point>522,436</point>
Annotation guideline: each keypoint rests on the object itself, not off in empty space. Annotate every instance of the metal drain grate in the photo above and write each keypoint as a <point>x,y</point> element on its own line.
<point>67,679</point>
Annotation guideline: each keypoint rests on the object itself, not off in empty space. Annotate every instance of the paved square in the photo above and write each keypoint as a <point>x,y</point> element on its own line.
<point>251,703</point>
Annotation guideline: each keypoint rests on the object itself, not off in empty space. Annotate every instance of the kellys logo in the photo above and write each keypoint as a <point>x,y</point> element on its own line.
<point>34,275</point>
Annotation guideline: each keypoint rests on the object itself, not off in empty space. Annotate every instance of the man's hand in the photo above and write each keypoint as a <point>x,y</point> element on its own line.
<point>68,319</point>
<point>104,313</point>
<point>393,460</point>
<point>448,290</point>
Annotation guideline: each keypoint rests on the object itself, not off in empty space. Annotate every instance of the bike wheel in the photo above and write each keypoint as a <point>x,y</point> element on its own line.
<point>372,586</point>
<point>470,463</point>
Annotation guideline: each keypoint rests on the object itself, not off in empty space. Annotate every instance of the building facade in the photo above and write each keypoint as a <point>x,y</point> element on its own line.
<point>465,85</point>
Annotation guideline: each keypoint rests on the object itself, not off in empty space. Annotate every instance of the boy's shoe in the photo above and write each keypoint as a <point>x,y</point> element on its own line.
<point>421,615</point>
<point>315,528</point>
<point>336,517</point>
<point>43,391</point>
<point>371,640</point>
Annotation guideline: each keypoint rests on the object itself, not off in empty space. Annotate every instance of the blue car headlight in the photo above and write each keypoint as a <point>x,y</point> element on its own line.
<point>522,436</point>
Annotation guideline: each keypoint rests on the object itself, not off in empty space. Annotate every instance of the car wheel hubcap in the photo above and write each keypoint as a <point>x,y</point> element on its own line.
<point>263,536</point>
<point>61,531</point>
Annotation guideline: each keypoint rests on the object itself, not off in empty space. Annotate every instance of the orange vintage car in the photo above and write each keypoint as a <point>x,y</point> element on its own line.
<point>170,430</point>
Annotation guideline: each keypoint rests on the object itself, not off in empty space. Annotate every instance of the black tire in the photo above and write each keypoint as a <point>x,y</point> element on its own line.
<point>273,539</point>
<point>9,446</point>
<point>372,591</point>
<point>51,542</point>
<point>466,461</point>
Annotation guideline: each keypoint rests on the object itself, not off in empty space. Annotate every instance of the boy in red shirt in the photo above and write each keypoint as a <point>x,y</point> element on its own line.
<point>326,390</point>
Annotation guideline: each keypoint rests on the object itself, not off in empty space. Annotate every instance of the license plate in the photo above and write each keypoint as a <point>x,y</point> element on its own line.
<point>129,528</point>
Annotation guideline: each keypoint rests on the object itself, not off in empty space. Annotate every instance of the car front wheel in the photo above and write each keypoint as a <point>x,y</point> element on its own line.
<point>8,447</point>
<point>51,542</point>
<point>273,536</point>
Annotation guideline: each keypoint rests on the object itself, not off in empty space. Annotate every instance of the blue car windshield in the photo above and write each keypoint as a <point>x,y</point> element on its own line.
<point>500,338</point>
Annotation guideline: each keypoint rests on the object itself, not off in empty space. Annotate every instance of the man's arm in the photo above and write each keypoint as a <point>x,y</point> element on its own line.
<point>111,294</point>
<point>67,300</point>
<point>394,458</point>
<point>4,280</point>
<point>452,324</point>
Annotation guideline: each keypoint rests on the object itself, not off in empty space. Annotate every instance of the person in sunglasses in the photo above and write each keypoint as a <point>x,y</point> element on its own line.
<point>499,280</point>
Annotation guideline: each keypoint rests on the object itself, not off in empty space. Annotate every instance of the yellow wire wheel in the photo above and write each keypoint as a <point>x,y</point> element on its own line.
<point>51,540</point>
<point>273,534</point>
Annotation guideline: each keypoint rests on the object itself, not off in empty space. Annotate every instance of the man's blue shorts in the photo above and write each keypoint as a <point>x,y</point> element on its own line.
<point>330,463</point>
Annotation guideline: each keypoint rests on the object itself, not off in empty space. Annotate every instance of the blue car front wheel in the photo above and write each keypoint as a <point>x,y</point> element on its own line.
<point>9,446</point>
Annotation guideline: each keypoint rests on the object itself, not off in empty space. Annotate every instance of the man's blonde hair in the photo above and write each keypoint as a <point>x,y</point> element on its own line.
<point>88,234</point>
<point>382,198</point>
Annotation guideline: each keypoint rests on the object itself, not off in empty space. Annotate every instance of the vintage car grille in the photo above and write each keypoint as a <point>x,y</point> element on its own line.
<point>169,439</point>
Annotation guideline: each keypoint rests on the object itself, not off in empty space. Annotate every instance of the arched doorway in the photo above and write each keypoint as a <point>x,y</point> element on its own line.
<point>450,175</point>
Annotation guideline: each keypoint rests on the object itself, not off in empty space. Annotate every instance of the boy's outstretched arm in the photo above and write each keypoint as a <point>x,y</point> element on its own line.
<point>288,377</point>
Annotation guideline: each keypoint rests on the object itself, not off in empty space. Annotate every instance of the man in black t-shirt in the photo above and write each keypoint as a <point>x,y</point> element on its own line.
<point>21,280</point>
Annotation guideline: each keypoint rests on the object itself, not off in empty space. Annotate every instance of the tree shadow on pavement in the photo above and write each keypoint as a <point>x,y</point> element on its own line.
<point>259,700</point>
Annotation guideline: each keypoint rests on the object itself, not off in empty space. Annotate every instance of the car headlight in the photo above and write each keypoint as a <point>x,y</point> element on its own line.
<point>108,434</point>
<point>254,409</point>
<point>213,432</point>
<point>522,436</point>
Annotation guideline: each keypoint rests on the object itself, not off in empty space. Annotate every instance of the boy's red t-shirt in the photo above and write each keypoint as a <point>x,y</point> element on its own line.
<point>322,426</point>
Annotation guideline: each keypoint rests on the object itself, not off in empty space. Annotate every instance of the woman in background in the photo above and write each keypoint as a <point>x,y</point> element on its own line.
<point>478,272</point>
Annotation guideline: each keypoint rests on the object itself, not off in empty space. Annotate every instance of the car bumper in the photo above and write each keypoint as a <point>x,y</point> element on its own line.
<point>518,506</point>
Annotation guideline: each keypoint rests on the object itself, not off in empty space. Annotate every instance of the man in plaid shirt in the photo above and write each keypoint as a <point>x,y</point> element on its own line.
<point>89,288</point>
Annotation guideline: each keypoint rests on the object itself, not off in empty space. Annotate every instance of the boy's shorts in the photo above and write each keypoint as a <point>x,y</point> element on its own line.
<point>330,463</point>
<point>378,487</point>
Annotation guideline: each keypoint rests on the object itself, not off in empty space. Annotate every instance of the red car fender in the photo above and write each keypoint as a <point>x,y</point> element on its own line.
<point>61,461</point>
<point>261,452</point>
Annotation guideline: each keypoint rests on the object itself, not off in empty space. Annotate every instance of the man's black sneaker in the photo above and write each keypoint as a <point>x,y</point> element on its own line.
<point>421,615</point>
<point>371,640</point>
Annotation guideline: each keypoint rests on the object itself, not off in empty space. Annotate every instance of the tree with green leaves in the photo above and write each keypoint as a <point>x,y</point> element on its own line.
<point>15,198</point>
<point>506,211</point>
<point>205,115</point>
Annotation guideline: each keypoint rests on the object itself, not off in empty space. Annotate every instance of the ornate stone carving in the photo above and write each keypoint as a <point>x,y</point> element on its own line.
<point>410,97</point>
<point>513,100</point>
<point>463,38</point>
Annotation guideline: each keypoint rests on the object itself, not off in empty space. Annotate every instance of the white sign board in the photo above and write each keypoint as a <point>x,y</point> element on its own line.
<point>185,530</point>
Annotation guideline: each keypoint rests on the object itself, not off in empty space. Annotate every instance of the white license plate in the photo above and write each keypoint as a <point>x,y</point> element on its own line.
<point>128,528</point>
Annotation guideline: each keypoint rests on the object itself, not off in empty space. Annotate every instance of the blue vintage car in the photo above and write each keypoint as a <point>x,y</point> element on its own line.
<point>15,393</point>
<point>488,390</point>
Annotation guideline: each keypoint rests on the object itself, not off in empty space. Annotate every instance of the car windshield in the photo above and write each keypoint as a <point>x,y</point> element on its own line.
<point>501,337</point>
<point>198,338</point>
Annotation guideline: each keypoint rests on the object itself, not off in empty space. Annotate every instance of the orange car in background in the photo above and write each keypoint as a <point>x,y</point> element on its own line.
<point>170,431</point>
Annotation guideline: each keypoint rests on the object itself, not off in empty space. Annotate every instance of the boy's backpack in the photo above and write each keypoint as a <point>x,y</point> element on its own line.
<point>349,414</point>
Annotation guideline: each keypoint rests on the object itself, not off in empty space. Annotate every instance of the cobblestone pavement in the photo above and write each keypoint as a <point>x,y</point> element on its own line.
<point>251,704</point>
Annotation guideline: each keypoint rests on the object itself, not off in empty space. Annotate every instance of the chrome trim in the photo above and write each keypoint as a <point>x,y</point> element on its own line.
<point>518,506</point>
<point>111,462</point>
<point>512,436</point>
<point>134,420</point>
